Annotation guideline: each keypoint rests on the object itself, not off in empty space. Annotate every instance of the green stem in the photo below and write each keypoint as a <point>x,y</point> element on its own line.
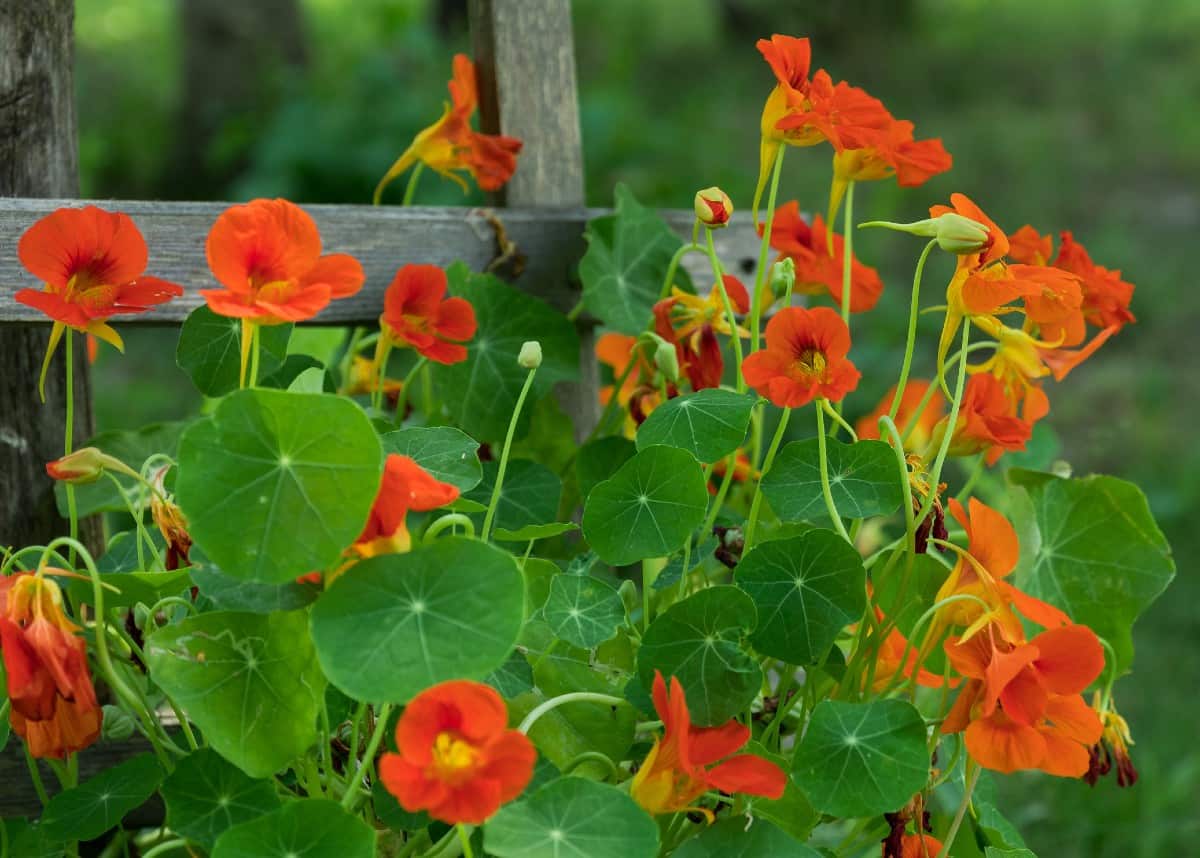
<point>752,522</point>
<point>355,727</point>
<point>910,341</point>
<point>614,401</point>
<point>410,190</point>
<point>246,339</point>
<point>972,478</point>
<point>592,757</point>
<point>255,349</point>
<point>453,519</point>
<point>576,311</point>
<point>935,475</point>
<point>683,251</point>
<point>847,251</point>
<point>888,426</point>
<point>933,388</point>
<point>764,250</point>
<point>36,776</point>
<point>733,329</point>
<point>68,435</point>
<point>826,491</point>
<point>402,398</point>
<point>464,837</point>
<point>572,697</point>
<point>972,779</point>
<point>165,847</point>
<point>838,420</point>
<point>508,440</point>
<point>355,783</point>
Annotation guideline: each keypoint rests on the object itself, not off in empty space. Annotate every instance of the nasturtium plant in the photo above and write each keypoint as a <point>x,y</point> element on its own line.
<point>398,591</point>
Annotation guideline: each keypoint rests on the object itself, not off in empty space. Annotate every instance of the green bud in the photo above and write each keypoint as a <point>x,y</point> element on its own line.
<point>116,724</point>
<point>954,233</point>
<point>667,361</point>
<point>531,355</point>
<point>782,276</point>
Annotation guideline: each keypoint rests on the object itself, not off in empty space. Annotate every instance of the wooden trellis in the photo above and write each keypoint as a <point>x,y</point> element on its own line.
<point>526,65</point>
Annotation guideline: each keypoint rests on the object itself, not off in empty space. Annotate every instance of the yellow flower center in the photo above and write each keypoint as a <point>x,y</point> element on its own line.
<point>811,363</point>
<point>452,756</point>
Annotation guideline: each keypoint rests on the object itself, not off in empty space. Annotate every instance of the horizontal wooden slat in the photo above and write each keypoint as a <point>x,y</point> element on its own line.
<point>383,239</point>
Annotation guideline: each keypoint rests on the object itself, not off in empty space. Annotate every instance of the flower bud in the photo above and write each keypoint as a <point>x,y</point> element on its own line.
<point>531,355</point>
<point>782,276</point>
<point>85,465</point>
<point>954,233</point>
<point>667,361</point>
<point>713,207</point>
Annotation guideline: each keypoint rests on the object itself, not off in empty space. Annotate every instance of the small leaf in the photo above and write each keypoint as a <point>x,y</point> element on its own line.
<point>626,262</point>
<point>864,480</point>
<point>206,795</point>
<point>532,532</point>
<point>710,424</point>
<point>739,837</point>
<point>583,611</point>
<point>270,466</point>
<point>448,454</point>
<point>99,804</point>
<point>210,350</point>
<point>513,678</point>
<point>308,828</point>
<point>862,759</point>
<point>393,625</point>
<point>648,509</point>
<point>234,594</point>
<point>572,817</point>
<point>1092,548</point>
<point>698,641</point>
<point>598,460</point>
<point>481,392</point>
<point>249,681</point>
<point>807,589</point>
<point>530,493</point>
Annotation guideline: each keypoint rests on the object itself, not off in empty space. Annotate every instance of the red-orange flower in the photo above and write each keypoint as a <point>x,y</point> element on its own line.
<point>867,427</point>
<point>457,758</point>
<point>692,324</point>
<point>267,256</point>
<point>804,358</point>
<point>680,766</point>
<point>987,421</point>
<point>54,707</point>
<point>1106,297</point>
<point>639,393</point>
<point>1029,246</point>
<point>91,263</point>
<point>416,313</point>
<point>405,486</point>
<point>818,265</point>
<point>919,846</point>
<point>870,153</point>
<point>450,146</point>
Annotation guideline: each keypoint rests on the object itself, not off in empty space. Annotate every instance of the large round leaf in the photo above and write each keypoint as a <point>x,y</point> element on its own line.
<point>1094,550</point>
<point>863,479</point>
<point>276,484</point>
<point>582,610</point>
<point>862,759</point>
<point>393,625</point>
<point>648,509</point>
<point>93,807</point>
<point>698,641</point>
<point>570,818</point>
<point>249,681</point>
<point>308,828</point>
<point>807,589</point>
<point>210,350</point>
<point>206,795</point>
<point>448,454</point>
<point>709,424</point>
<point>739,837</point>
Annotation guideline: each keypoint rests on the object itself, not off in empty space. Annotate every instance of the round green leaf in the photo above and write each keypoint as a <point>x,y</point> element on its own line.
<point>93,807</point>
<point>862,759</point>
<point>529,496</point>
<point>481,391</point>
<point>863,479</point>
<point>1093,549</point>
<point>583,611</point>
<point>308,828</point>
<point>698,641</point>
<point>807,589</point>
<point>206,795</point>
<point>739,837</point>
<point>648,509</point>
<point>448,454</point>
<point>210,350</point>
<point>709,424</point>
<point>249,681</point>
<point>394,625</point>
<point>270,466</point>
<point>598,460</point>
<point>571,818</point>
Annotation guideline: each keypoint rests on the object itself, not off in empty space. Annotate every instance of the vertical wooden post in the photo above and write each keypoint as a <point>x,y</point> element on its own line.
<point>525,60</point>
<point>38,158</point>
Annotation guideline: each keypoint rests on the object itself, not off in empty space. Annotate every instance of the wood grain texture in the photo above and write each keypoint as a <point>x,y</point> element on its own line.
<point>383,238</point>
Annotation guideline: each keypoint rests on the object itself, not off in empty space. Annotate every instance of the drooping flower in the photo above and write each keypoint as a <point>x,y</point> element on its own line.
<point>267,256</point>
<point>688,761</point>
<point>1106,297</point>
<point>692,324</point>
<point>456,757</point>
<point>450,146</point>
<point>172,523</point>
<point>804,358</point>
<point>405,486</point>
<point>1112,747</point>
<point>987,421</point>
<point>54,706</point>
<point>91,263</point>
<point>366,376</point>
<point>417,313</point>
<point>915,391</point>
<point>818,263</point>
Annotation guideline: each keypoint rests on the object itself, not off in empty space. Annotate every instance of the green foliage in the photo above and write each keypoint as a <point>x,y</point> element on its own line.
<point>206,795</point>
<point>710,424</point>
<point>739,837</point>
<point>95,806</point>
<point>445,452</point>
<point>598,460</point>
<point>133,448</point>
<point>864,480</point>
<point>308,828</point>
<point>583,611</point>
<point>529,496</point>
<point>210,350</point>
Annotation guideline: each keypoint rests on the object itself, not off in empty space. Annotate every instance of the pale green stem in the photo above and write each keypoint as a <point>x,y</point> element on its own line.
<point>764,250</point>
<point>355,783</point>
<point>847,251</point>
<point>683,251</point>
<point>919,627</point>
<point>453,519</point>
<point>838,420</point>
<point>646,571</point>
<point>936,474</point>
<point>36,776</point>
<point>910,341</point>
<point>255,350</point>
<point>402,398</point>
<point>464,837</point>
<point>614,403</point>
<point>508,440</point>
<point>733,326</point>
<point>177,843</point>
<point>410,190</point>
<point>972,779</point>
<point>826,491</point>
<point>752,522</point>
<point>572,697</point>
<point>592,757</point>
<point>722,491</point>
<point>68,434</point>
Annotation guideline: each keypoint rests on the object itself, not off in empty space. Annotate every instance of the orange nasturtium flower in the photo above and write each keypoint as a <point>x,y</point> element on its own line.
<point>919,846</point>
<point>91,262</point>
<point>867,427</point>
<point>267,256</point>
<point>680,766</point>
<point>405,486</point>
<point>987,421</point>
<point>450,145</point>
<point>54,706</point>
<point>804,358</point>
<point>457,758</point>
<point>639,393</point>
<point>417,313</point>
<point>692,323</point>
<point>818,263</point>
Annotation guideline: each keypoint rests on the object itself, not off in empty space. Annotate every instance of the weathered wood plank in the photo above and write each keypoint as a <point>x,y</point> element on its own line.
<point>383,238</point>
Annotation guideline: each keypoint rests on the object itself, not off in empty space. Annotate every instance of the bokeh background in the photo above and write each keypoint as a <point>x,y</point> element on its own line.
<point>1067,114</point>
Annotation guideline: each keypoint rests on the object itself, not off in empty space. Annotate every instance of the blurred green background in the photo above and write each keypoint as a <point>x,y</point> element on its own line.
<point>1068,114</point>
